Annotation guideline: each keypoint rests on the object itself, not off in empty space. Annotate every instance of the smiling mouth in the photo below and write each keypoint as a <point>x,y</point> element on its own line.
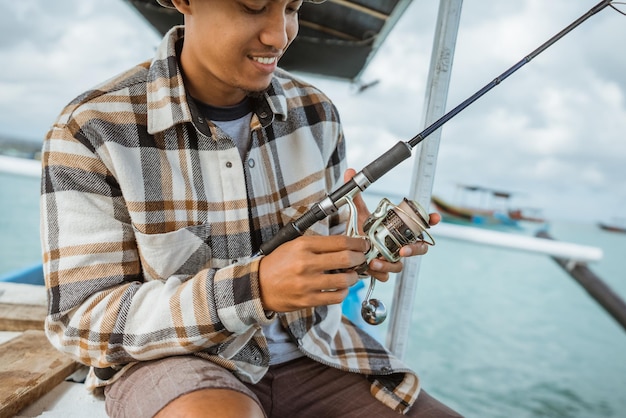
<point>265,60</point>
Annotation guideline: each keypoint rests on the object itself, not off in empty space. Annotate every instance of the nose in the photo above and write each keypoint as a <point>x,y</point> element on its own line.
<point>278,31</point>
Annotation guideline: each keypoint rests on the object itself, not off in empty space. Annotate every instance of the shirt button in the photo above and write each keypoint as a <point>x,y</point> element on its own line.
<point>229,164</point>
<point>263,115</point>
<point>251,162</point>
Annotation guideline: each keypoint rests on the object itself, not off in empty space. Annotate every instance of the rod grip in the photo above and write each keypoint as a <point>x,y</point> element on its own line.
<point>380,166</point>
<point>293,229</point>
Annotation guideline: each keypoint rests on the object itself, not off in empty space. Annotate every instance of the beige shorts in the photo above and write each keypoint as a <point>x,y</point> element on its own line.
<point>299,388</point>
<point>148,387</point>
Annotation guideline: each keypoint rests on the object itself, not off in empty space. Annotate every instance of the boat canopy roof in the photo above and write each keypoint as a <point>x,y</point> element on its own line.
<point>337,38</point>
<point>487,190</point>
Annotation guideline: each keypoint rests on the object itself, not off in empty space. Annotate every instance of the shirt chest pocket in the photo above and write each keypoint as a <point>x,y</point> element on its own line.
<point>183,252</point>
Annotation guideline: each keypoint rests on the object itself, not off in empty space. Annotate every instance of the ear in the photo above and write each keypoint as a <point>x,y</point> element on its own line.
<point>182,6</point>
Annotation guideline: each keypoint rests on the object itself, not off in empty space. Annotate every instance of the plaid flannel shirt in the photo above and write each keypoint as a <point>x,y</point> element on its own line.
<point>150,220</point>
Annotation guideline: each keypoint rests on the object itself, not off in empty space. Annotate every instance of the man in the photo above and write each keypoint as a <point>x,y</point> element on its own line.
<point>159,187</point>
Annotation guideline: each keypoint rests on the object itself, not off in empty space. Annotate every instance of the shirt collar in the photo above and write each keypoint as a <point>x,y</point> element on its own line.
<point>167,100</point>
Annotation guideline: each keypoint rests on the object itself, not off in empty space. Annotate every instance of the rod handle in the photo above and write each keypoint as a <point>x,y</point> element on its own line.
<point>293,229</point>
<point>380,166</point>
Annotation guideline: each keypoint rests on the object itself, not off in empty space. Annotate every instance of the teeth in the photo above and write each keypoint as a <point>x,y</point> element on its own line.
<point>264,60</point>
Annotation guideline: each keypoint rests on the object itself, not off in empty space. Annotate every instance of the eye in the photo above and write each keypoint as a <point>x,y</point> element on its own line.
<point>253,7</point>
<point>252,10</point>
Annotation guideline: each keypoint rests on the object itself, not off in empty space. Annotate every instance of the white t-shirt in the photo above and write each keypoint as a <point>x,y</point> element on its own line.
<point>235,122</point>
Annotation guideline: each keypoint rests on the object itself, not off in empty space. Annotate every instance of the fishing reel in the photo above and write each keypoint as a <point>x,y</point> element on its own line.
<point>388,229</point>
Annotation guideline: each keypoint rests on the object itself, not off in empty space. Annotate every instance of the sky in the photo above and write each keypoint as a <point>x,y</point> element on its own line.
<point>553,134</point>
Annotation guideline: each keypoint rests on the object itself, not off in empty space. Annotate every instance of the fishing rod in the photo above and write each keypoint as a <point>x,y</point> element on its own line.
<point>402,150</point>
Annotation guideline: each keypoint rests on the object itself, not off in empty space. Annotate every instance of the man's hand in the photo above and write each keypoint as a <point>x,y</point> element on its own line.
<point>298,275</point>
<point>379,267</point>
<point>317,270</point>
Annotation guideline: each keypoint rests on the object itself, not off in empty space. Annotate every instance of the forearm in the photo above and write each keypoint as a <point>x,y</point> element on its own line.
<point>141,321</point>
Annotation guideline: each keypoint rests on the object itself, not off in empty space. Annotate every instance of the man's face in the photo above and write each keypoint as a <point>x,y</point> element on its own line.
<point>233,46</point>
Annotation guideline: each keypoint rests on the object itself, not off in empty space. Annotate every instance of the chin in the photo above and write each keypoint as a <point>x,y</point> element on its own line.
<point>257,92</point>
<point>258,83</point>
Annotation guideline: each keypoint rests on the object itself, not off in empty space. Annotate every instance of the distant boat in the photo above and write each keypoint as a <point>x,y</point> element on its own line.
<point>492,210</point>
<point>613,227</point>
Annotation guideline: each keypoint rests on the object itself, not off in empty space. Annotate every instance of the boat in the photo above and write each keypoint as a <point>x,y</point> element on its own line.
<point>68,398</point>
<point>488,208</point>
<point>615,226</point>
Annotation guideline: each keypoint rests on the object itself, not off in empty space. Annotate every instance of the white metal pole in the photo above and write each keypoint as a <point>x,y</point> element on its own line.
<point>448,18</point>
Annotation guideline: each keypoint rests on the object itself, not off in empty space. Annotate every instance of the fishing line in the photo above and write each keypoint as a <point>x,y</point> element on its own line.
<point>617,9</point>
<point>402,150</point>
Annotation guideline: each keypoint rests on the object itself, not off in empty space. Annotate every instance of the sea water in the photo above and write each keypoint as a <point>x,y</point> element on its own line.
<point>19,222</point>
<point>495,333</point>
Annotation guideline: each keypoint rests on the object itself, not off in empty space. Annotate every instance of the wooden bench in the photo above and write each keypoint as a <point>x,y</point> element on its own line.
<point>33,373</point>
<point>29,368</point>
<point>14,317</point>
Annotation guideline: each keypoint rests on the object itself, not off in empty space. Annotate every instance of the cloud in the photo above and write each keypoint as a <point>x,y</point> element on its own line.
<point>58,50</point>
<point>553,131</point>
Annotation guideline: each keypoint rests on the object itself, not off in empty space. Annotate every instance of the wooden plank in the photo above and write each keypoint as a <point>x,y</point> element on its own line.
<point>8,335</point>
<point>16,317</point>
<point>29,368</point>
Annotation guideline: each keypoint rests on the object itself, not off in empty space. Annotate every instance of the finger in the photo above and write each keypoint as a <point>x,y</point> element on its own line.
<point>348,174</point>
<point>419,248</point>
<point>330,297</point>
<point>337,281</point>
<point>380,265</point>
<point>321,262</point>
<point>361,208</point>
<point>362,211</point>
<point>329,289</point>
<point>330,244</point>
<point>380,276</point>
<point>434,219</point>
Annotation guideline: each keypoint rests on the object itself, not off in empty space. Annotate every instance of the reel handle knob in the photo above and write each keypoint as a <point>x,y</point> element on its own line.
<point>373,312</point>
